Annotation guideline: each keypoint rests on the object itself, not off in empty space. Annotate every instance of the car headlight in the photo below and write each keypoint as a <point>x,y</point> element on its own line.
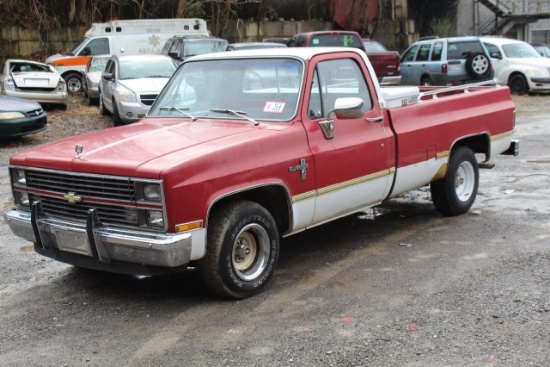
<point>154,218</point>
<point>152,192</point>
<point>22,198</point>
<point>11,115</point>
<point>125,95</point>
<point>19,177</point>
<point>533,72</point>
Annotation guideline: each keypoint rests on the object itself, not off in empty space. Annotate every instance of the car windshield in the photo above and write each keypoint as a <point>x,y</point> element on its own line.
<point>192,48</point>
<point>520,50</point>
<point>146,68</point>
<point>253,89</point>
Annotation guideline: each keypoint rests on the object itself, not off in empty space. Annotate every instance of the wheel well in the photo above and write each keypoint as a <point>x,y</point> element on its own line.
<point>479,144</point>
<point>273,197</point>
<point>72,72</point>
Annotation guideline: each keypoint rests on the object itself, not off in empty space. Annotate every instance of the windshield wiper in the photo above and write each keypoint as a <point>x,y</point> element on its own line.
<point>180,110</point>
<point>236,113</point>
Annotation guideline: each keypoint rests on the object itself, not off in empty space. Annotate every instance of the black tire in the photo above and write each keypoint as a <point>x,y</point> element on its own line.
<point>91,101</point>
<point>117,121</point>
<point>242,250</point>
<point>478,65</point>
<point>102,110</point>
<point>426,81</point>
<point>518,84</point>
<point>74,82</point>
<point>456,192</point>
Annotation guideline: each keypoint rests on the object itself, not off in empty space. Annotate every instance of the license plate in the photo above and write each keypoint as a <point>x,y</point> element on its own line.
<point>76,242</point>
<point>36,82</point>
<point>454,67</point>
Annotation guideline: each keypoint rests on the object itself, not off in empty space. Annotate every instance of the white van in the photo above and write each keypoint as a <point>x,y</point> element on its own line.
<point>141,36</point>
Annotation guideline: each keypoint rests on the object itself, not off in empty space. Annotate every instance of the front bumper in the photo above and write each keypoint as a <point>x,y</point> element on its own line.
<point>132,112</point>
<point>93,246</point>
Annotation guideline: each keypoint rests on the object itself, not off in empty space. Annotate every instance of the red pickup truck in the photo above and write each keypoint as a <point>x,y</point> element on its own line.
<point>386,64</point>
<point>241,149</point>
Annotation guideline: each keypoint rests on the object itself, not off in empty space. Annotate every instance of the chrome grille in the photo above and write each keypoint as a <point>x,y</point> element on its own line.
<point>90,186</point>
<point>107,214</point>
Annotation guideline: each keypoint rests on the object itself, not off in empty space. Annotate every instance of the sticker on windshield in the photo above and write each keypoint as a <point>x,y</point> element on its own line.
<point>274,107</point>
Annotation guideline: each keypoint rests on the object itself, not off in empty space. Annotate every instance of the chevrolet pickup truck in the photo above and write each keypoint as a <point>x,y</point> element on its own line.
<point>244,148</point>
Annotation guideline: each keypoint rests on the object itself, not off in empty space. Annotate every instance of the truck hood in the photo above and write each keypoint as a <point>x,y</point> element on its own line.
<point>144,84</point>
<point>142,149</point>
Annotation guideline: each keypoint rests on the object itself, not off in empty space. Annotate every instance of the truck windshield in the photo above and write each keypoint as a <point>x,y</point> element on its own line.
<point>192,48</point>
<point>258,89</point>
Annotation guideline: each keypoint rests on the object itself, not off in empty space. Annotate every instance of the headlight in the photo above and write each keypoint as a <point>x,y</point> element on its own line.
<point>18,177</point>
<point>125,95</point>
<point>152,192</point>
<point>11,115</point>
<point>22,198</point>
<point>154,218</point>
<point>533,72</point>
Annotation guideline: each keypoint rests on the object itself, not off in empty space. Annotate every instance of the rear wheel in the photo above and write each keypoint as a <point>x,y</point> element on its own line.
<point>518,84</point>
<point>242,250</point>
<point>117,121</point>
<point>456,192</point>
<point>102,110</point>
<point>426,81</point>
<point>74,82</point>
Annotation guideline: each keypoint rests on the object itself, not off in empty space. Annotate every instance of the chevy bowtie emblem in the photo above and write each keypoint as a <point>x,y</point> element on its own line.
<point>72,198</point>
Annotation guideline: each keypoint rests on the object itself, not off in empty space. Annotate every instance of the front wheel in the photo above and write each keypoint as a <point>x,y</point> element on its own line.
<point>518,84</point>
<point>74,82</point>
<point>102,110</point>
<point>117,120</point>
<point>456,192</point>
<point>242,250</point>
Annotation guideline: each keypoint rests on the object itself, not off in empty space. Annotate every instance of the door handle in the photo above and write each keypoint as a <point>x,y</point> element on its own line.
<point>375,119</point>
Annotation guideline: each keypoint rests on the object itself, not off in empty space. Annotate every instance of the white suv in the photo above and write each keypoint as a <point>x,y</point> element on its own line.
<point>518,65</point>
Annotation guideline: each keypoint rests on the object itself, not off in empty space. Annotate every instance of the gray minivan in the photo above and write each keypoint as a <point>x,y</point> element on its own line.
<point>445,61</point>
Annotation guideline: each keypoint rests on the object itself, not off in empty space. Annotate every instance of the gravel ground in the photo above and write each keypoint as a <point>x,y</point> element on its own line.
<point>396,286</point>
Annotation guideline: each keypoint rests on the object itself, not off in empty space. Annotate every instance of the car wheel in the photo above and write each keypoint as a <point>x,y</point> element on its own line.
<point>117,121</point>
<point>456,192</point>
<point>74,82</point>
<point>518,84</point>
<point>426,82</point>
<point>89,99</point>
<point>102,110</point>
<point>478,65</point>
<point>242,250</point>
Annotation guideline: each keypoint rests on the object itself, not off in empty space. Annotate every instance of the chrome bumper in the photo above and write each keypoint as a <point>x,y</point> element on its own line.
<point>94,246</point>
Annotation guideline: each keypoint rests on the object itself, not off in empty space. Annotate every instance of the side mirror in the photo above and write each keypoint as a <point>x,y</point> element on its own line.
<point>174,54</point>
<point>496,55</point>
<point>350,107</point>
<point>108,76</point>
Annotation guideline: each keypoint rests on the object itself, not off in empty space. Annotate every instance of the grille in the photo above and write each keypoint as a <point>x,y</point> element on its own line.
<point>107,214</point>
<point>90,186</point>
<point>148,99</point>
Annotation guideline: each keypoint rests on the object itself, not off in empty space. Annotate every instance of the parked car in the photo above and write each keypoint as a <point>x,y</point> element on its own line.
<point>131,83</point>
<point>518,65</point>
<point>20,117</point>
<point>181,47</point>
<point>445,61</point>
<point>253,45</point>
<point>33,80</point>
<point>93,73</point>
<point>542,49</point>
<point>386,64</point>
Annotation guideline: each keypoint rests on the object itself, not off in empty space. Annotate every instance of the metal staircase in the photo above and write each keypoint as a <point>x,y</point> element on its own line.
<point>510,13</point>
